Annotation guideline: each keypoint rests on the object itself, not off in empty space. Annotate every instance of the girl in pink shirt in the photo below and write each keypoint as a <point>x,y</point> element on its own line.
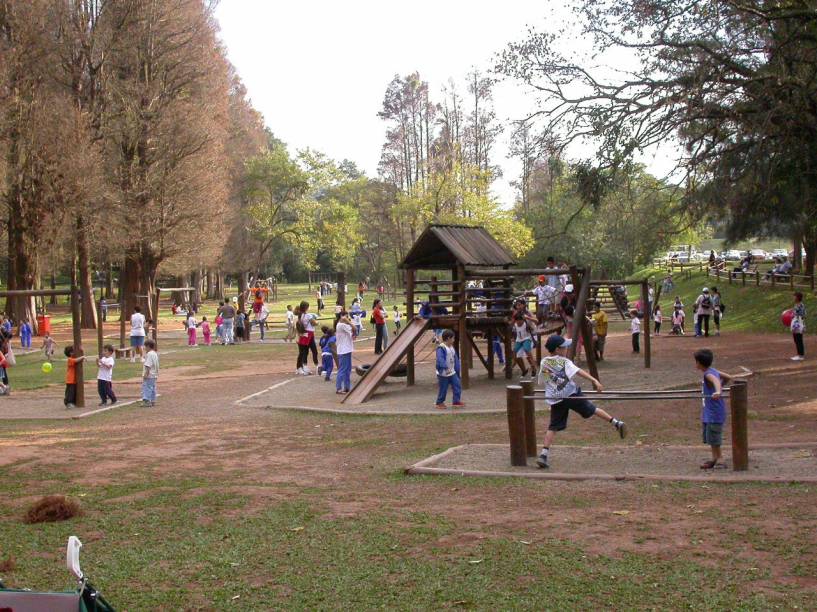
<point>205,330</point>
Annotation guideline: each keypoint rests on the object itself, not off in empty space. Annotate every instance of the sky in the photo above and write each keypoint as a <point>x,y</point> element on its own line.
<point>318,70</point>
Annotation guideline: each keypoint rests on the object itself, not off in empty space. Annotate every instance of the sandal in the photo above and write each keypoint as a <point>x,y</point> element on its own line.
<point>707,465</point>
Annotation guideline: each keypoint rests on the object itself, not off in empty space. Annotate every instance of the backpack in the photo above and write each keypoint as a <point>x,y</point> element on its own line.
<point>706,302</point>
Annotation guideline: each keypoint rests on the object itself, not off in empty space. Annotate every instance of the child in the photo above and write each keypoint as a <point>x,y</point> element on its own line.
<point>448,371</point>
<point>500,355</point>
<point>328,353</point>
<point>150,374</point>
<point>344,346</point>
<point>240,319</point>
<point>678,322</point>
<point>635,329</point>
<point>25,335</point>
<point>71,377</point>
<point>290,324</point>
<point>658,318</point>
<point>357,316</point>
<point>261,319</point>
<point>205,331</point>
<point>556,373</point>
<point>396,317</point>
<point>192,324</point>
<point>798,326</point>
<point>600,326</point>
<point>713,412</point>
<point>104,377</point>
<point>220,324</point>
<point>523,341</point>
<point>49,346</point>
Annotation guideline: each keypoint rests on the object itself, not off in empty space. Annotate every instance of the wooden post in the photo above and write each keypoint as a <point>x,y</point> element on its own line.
<point>757,278</point>
<point>530,417</point>
<point>744,278</point>
<point>791,281</point>
<point>100,333</point>
<point>645,329</point>
<point>811,280</point>
<point>409,317</point>
<point>489,334</point>
<point>773,280</point>
<point>507,335</point>
<point>155,331</point>
<point>458,273</point>
<point>121,324</point>
<point>516,425</point>
<point>78,352</point>
<point>739,405</point>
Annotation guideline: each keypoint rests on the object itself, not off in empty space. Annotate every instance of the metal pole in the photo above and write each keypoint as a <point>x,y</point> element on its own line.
<point>739,407</point>
<point>530,417</point>
<point>516,425</point>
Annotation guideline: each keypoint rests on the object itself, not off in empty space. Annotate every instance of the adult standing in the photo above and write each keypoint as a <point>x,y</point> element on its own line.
<point>545,294</point>
<point>703,308</point>
<point>379,316</point>
<point>227,312</point>
<point>717,309</point>
<point>137,333</point>
<point>344,345</point>
<point>798,326</point>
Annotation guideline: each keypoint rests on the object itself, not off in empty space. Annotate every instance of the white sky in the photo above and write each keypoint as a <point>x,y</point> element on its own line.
<point>318,70</point>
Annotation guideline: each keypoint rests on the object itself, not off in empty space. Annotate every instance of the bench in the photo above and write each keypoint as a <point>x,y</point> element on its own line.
<point>123,352</point>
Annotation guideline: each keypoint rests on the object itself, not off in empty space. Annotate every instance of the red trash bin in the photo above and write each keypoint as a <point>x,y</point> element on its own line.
<point>43,325</point>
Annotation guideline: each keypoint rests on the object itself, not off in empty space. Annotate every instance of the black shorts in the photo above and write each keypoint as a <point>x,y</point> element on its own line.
<point>559,412</point>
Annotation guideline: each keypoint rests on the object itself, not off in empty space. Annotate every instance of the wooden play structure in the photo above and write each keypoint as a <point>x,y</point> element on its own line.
<point>469,286</point>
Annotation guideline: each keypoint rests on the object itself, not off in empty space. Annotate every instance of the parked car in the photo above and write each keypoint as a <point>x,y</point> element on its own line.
<point>759,255</point>
<point>732,255</point>
<point>779,253</point>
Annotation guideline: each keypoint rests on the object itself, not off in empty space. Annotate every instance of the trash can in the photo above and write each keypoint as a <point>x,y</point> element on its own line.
<point>43,325</point>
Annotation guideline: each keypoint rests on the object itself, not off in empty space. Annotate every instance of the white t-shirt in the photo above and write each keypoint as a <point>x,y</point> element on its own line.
<point>191,322</point>
<point>556,374</point>
<point>308,321</point>
<point>137,324</point>
<point>450,362</point>
<point>397,316</point>
<point>635,325</point>
<point>657,316</point>
<point>290,317</point>
<point>356,319</point>
<point>105,373</point>
<point>544,294</point>
<point>152,362</point>
<point>343,339</point>
<point>521,332</point>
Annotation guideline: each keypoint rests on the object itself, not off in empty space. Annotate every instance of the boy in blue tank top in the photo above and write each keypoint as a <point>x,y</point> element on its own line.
<point>713,410</point>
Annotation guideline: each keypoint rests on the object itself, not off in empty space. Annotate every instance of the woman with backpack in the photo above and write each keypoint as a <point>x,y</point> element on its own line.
<point>703,308</point>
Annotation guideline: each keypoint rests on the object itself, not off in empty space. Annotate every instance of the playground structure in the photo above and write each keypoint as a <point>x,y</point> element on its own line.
<point>521,400</point>
<point>475,299</point>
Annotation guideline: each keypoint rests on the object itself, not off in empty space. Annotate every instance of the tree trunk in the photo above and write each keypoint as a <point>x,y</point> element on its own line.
<point>797,255</point>
<point>811,254</point>
<point>221,290</point>
<point>23,271</point>
<point>86,287</point>
<point>53,299</point>
<point>138,278</point>
<point>196,284</point>
<point>243,282</point>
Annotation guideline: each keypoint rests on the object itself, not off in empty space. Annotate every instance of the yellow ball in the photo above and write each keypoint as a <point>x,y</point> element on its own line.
<point>47,367</point>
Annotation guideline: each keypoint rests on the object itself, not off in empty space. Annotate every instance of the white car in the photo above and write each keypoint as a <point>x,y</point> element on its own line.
<point>732,255</point>
<point>759,254</point>
<point>780,253</point>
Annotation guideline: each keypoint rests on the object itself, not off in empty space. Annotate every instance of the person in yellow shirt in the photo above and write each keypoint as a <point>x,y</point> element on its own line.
<point>600,327</point>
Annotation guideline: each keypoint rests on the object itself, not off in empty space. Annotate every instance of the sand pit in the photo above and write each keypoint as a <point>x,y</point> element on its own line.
<point>790,462</point>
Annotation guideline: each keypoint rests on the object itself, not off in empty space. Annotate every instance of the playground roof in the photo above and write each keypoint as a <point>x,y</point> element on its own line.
<point>445,246</point>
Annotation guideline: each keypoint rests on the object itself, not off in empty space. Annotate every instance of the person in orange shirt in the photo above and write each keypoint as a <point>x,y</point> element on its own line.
<point>71,377</point>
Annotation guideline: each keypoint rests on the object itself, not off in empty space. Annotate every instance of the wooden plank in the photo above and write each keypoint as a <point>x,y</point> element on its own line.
<point>645,297</point>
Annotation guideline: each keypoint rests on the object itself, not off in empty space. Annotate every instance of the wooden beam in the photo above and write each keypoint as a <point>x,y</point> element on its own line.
<point>409,317</point>
<point>645,299</point>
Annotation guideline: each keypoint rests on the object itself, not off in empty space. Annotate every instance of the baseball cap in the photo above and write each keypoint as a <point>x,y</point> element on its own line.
<point>542,277</point>
<point>706,290</point>
<point>556,341</point>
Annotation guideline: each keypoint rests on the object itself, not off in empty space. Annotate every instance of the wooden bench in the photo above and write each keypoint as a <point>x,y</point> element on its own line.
<point>124,352</point>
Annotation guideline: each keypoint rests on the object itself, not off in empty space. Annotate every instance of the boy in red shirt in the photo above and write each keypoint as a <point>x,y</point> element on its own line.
<point>71,377</point>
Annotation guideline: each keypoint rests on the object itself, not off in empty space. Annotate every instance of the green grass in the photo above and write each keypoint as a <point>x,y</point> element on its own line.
<point>748,309</point>
<point>178,544</point>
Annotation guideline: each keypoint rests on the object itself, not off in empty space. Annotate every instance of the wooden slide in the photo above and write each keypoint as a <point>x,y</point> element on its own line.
<point>385,363</point>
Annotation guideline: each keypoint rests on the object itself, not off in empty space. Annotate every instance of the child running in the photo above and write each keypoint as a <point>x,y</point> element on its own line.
<point>523,341</point>
<point>150,374</point>
<point>448,372</point>
<point>104,377</point>
<point>713,411</point>
<point>49,346</point>
<point>556,373</point>
<point>329,356</point>
<point>70,400</point>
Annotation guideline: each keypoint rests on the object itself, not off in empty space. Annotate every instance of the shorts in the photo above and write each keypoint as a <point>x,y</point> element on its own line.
<point>712,433</point>
<point>523,348</point>
<point>256,307</point>
<point>136,341</point>
<point>600,342</point>
<point>542,310</point>
<point>560,411</point>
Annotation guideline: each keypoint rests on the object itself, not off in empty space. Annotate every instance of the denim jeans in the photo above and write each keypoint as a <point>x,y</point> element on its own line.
<point>343,382</point>
<point>149,389</point>
<point>227,331</point>
<point>444,382</point>
<point>327,364</point>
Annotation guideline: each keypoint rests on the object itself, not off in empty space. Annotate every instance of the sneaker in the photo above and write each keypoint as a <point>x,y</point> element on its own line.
<point>542,462</point>
<point>708,465</point>
<point>797,358</point>
<point>621,426</point>
<point>307,372</point>
<point>440,406</point>
<point>113,402</point>
<point>299,371</point>
<point>146,403</point>
<point>69,406</point>
<point>458,405</point>
<point>320,369</point>
<point>102,404</point>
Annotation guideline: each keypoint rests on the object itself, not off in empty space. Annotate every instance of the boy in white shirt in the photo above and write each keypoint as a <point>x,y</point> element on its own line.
<point>104,377</point>
<point>291,332</point>
<point>556,373</point>
<point>150,374</point>
<point>635,329</point>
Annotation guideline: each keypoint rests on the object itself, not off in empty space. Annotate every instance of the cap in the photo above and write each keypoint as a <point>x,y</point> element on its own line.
<point>542,278</point>
<point>706,290</point>
<point>556,341</point>
<point>568,288</point>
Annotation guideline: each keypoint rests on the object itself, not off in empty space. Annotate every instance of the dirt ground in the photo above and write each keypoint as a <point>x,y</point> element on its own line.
<point>197,428</point>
